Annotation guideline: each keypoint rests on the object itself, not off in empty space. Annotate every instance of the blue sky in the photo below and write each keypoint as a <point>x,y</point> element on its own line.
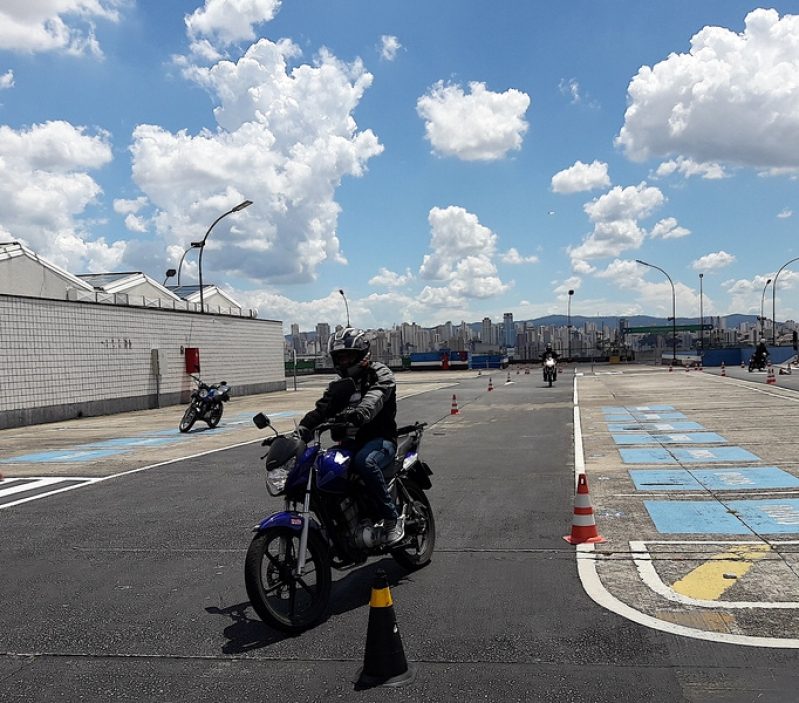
<point>438,161</point>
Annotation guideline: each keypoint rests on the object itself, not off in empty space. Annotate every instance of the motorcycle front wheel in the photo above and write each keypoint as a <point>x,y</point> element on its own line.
<point>283,600</point>
<point>215,415</point>
<point>189,418</point>
<point>416,550</point>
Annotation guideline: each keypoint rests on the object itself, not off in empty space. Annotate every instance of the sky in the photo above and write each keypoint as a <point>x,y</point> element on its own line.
<point>437,161</point>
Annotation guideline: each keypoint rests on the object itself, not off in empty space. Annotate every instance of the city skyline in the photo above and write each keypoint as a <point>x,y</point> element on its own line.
<point>447,160</point>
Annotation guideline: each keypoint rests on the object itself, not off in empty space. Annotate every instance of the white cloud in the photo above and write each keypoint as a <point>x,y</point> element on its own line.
<point>46,186</point>
<point>389,47</point>
<point>480,126</point>
<point>711,262</point>
<point>747,295</point>
<point>463,250</point>
<point>658,294</point>
<point>785,214</point>
<point>615,216</point>
<point>54,25</point>
<point>512,256</point>
<point>581,177</point>
<point>668,229</point>
<point>7,80</point>
<point>689,167</point>
<point>285,141</point>
<point>220,23</point>
<point>123,206</point>
<point>389,279</point>
<point>570,88</point>
<point>733,98</point>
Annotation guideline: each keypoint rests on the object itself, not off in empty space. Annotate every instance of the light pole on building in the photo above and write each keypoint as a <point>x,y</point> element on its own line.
<point>701,316</point>
<point>201,245</point>
<point>673,308</point>
<point>774,301</point>
<point>569,324</point>
<point>762,316</point>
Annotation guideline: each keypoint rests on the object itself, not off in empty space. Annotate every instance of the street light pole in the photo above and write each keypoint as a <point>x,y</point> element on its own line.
<point>673,308</point>
<point>762,317</point>
<point>569,325</point>
<point>774,301</point>
<point>701,317</point>
<point>201,245</point>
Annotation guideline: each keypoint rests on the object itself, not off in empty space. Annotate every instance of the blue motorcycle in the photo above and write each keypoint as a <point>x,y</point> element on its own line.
<point>328,521</point>
<point>206,404</point>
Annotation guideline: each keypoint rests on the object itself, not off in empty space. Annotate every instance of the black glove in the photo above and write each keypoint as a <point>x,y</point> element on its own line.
<point>354,417</point>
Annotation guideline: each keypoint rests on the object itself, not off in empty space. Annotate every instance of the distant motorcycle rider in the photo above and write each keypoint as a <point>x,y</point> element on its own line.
<point>549,353</point>
<point>369,406</point>
<point>761,356</point>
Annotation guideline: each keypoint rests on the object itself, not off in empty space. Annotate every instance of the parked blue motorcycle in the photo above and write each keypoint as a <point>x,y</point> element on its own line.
<point>329,522</point>
<point>206,404</point>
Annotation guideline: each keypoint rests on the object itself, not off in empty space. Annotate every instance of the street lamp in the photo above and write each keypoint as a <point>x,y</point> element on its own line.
<point>169,274</point>
<point>673,308</point>
<point>569,324</point>
<point>701,317</point>
<point>774,301</point>
<point>762,317</point>
<point>201,245</point>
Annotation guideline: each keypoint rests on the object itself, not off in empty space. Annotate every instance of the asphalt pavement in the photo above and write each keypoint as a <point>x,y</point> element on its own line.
<point>121,571</point>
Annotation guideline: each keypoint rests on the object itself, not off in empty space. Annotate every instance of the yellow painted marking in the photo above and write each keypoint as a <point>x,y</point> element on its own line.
<point>381,598</point>
<point>707,582</point>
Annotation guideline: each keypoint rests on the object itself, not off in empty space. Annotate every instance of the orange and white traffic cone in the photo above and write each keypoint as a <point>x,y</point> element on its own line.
<point>454,410</point>
<point>490,385</point>
<point>770,378</point>
<point>583,523</point>
<point>723,369</point>
<point>508,381</point>
<point>670,365</point>
<point>743,365</point>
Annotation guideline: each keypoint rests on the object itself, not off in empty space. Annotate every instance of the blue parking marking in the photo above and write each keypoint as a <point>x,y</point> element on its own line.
<point>647,456</point>
<point>62,456</point>
<point>657,427</point>
<point>690,438</point>
<point>712,479</point>
<point>664,480</point>
<point>640,408</point>
<point>714,454</point>
<point>619,418</point>
<point>738,517</point>
<point>694,518</point>
<point>658,416</point>
<point>132,442</point>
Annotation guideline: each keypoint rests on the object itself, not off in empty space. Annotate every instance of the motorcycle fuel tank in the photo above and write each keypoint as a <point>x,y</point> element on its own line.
<point>333,470</point>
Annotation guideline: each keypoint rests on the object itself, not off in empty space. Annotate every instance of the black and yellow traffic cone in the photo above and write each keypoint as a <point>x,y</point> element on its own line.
<point>384,662</point>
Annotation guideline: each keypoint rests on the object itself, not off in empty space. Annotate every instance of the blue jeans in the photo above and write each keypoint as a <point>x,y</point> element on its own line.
<point>369,462</point>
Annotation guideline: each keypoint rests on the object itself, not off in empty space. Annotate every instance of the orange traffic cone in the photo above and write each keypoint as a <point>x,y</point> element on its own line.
<point>454,410</point>
<point>583,524</point>
<point>687,369</point>
<point>508,381</point>
<point>479,372</point>
<point>490,385</point>
<point>743,365</point>
<point>384,662</point>
<point>670,365</point>
<point>770,378</point>
<point>527,372</point>
<point>723,369</point>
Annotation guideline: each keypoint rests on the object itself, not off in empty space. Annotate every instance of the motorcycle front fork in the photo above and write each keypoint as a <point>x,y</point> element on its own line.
<point>306,526</point>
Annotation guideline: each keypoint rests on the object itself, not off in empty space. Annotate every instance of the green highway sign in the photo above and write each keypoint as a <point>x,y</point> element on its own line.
<point>664,329</point>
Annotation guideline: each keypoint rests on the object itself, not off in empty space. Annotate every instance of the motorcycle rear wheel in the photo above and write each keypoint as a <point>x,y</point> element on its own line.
<point>283,600</point>
<point>215,415</point>
<point>420,526</point>
<point>189,418</point>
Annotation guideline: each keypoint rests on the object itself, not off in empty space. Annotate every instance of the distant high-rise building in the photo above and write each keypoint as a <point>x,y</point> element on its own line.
<point>322,335</point>
<point>487,334</point>
<point>508,330</point>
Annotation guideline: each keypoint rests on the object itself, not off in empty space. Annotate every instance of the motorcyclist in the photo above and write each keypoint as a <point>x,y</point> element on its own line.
<point>365,398</point>
<point>549,353</point>
<point>761,354</point>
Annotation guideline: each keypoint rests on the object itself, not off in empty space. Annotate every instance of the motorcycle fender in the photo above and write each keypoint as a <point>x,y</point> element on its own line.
<point>420,474</point>
<point>285,519</point>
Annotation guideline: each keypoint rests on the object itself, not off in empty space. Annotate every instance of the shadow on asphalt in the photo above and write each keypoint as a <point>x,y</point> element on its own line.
<point>247,633</point>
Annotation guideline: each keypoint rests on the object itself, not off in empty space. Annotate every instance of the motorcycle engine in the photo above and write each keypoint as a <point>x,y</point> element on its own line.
<point>367,536</point>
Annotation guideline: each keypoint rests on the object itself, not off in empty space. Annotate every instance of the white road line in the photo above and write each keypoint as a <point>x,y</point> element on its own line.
<point>586,569</point>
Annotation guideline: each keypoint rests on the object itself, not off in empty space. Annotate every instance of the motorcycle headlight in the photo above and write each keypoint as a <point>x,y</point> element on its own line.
<point>276,478</point>
<point>203,393</point>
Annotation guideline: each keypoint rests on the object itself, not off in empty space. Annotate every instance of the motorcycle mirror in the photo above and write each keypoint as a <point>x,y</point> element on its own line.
<point>261,421</point>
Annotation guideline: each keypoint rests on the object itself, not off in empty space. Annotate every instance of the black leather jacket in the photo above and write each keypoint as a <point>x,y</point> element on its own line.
<point>373,393</point>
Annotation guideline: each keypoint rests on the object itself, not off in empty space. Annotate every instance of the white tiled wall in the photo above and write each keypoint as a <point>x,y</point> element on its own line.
<point>55,353</point>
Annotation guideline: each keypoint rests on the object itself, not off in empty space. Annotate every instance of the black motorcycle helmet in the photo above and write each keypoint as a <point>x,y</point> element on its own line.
<point>349,350</point>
